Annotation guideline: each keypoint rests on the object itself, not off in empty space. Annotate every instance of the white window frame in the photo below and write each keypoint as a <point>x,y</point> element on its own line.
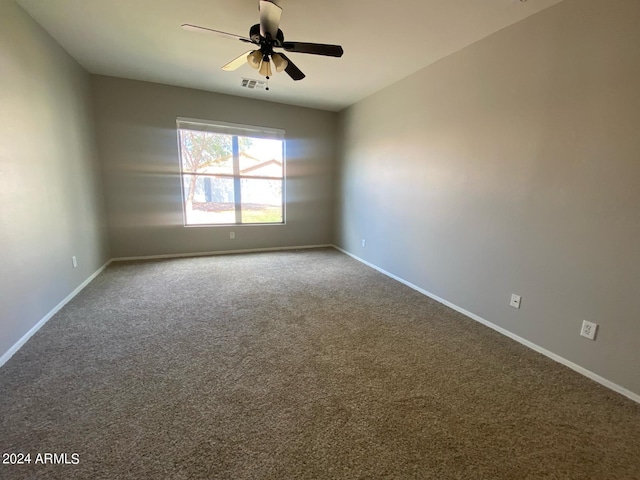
<point>235,130</point>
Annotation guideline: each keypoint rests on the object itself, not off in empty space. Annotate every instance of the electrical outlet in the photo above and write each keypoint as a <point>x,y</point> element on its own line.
<point>364,242</point>
<point>589,330</point>
<point>232,235</point>
<point>515,300</point>
<point>74,262</point>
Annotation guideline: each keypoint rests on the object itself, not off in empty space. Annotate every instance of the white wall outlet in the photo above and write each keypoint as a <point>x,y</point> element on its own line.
<point>588,330</point>
<point>232,235</point>
<point>364,242</point>
<point>515,300</point>
<point>74,262</point>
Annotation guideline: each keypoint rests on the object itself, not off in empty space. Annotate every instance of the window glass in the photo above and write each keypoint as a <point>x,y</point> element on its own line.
<point>231,178</point>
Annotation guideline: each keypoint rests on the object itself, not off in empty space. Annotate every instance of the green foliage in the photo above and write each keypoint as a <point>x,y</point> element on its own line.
<point>204,149</point>
<point>267,215</point>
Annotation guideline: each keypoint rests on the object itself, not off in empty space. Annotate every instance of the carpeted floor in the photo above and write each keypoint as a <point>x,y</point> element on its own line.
<point>296,365</point>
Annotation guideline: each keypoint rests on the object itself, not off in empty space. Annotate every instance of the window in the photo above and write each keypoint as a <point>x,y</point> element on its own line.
<point>231,174</point>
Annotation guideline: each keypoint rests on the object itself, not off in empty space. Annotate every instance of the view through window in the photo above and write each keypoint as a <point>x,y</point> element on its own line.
<point>231,174</point>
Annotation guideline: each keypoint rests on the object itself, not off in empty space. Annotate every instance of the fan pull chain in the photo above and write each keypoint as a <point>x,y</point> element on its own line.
<point>267,84</point>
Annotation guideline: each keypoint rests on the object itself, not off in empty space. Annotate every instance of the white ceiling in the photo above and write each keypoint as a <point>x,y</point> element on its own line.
<point>383,41</point>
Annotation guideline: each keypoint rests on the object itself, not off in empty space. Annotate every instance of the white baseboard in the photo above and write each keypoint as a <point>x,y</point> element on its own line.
<point>219,252</point>
<point>573,366</point>
<point>16,346</point>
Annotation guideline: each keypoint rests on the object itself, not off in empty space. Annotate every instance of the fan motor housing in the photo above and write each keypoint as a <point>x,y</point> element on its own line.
<point>254,34</point>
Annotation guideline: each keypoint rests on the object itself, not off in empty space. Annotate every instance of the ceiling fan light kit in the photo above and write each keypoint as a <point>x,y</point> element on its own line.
<point>265,68</point>
<point>254,59</point>
<point>267,36</point>
<point>279,62</point>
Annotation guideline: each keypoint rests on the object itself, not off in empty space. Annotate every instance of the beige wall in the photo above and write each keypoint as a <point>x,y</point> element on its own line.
<point>136,124</point>
<point>514,166</point>
<point>50,188</point>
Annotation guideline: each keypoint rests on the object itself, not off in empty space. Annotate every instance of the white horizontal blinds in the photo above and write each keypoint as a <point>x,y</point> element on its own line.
<point>230,129</point>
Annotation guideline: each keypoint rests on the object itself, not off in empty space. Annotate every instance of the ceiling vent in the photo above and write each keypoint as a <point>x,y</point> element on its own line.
<point>253,84</point>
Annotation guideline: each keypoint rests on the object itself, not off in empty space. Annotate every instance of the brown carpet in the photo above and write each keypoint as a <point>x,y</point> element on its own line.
<point>296,365</point>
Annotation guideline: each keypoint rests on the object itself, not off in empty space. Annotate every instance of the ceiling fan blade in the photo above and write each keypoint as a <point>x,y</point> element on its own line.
<point>314,48</point>
<point>196,28</point>
<point>270,14</point>
<point>293,71</point>
<point>237,63</point>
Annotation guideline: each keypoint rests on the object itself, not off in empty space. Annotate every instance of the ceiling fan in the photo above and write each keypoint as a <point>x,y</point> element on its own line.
<point>267,36</point>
